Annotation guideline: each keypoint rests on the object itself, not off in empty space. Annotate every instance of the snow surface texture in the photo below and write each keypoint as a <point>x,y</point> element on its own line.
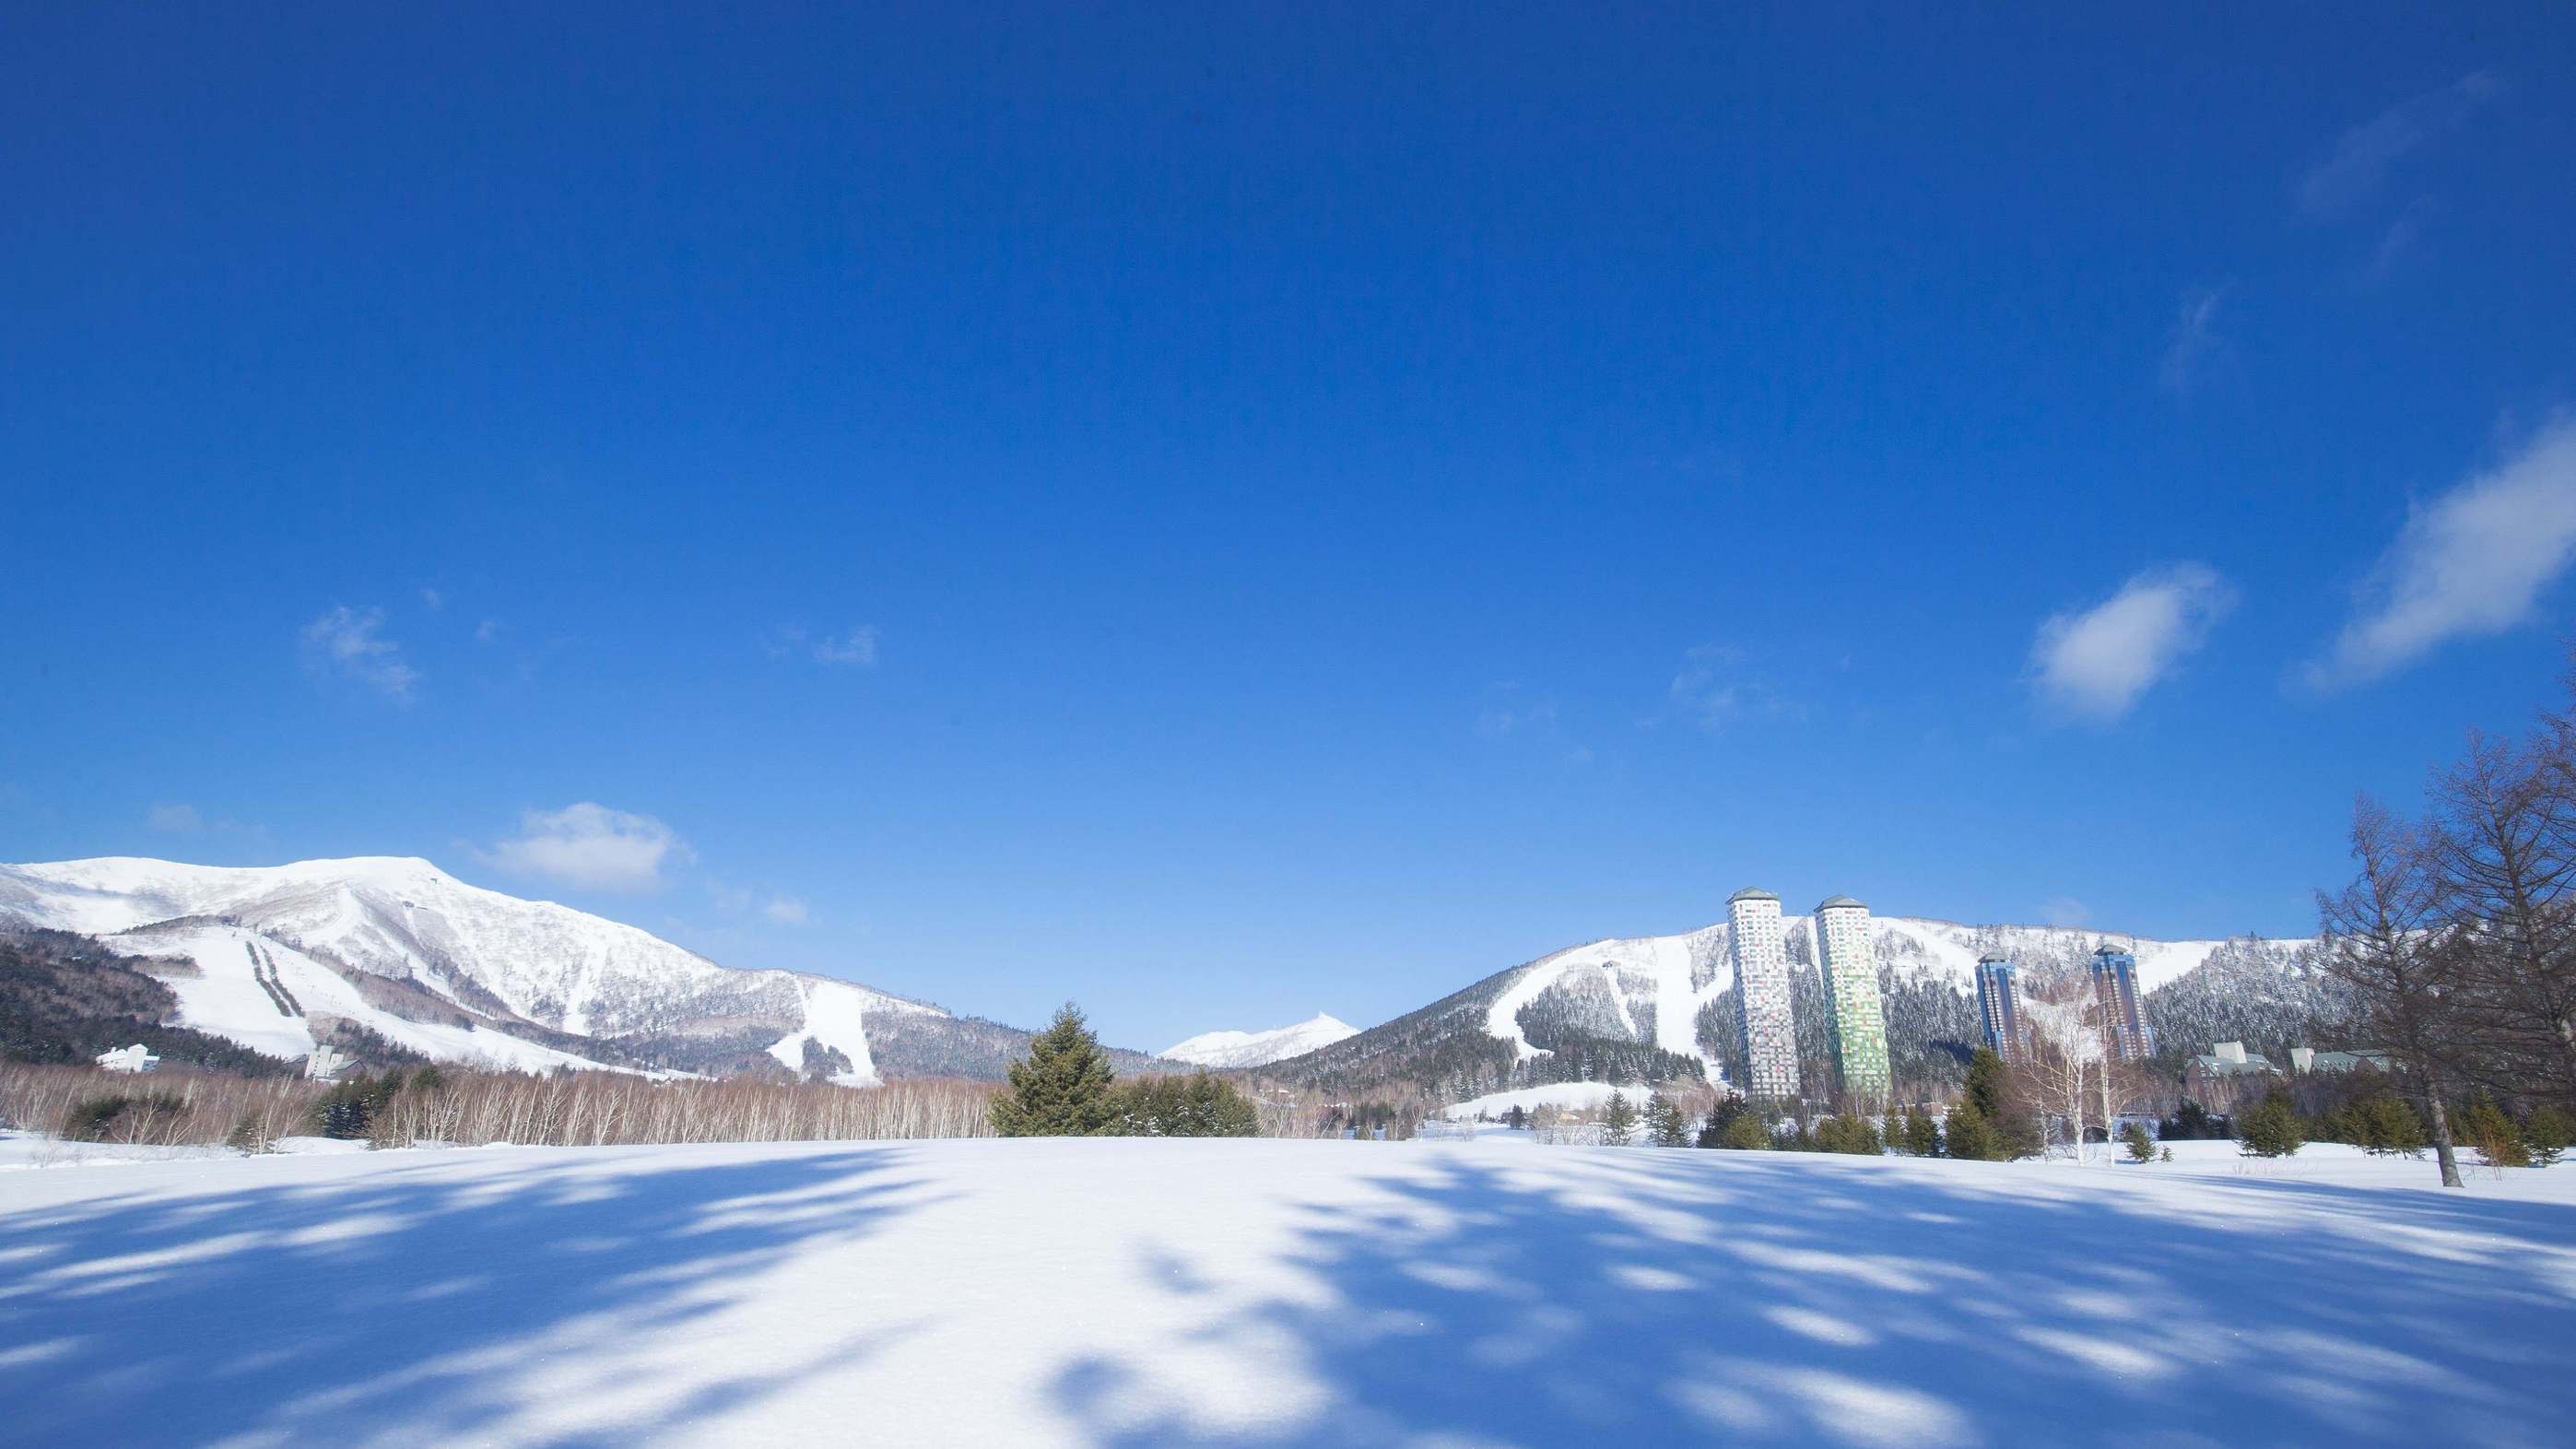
<point>1260,1048</point>
<point>1143,1292</point>
<point>487,953</point>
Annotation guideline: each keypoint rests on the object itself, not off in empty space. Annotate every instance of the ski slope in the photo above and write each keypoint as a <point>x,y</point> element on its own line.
<point>405,920</point>
<point>1689,970</point>
<point>1121,1292</point>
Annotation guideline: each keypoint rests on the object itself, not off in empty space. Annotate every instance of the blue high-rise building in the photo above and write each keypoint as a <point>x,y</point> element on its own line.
<point>1999,1007</point>
<point>2124,1016</point>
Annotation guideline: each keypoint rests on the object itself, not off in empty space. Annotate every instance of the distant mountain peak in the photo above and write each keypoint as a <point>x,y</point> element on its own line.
<point>1260,1048</point>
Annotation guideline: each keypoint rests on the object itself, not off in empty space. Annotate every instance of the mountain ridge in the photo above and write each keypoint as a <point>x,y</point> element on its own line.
<point>458,972</point>
<point>1260,1048</point>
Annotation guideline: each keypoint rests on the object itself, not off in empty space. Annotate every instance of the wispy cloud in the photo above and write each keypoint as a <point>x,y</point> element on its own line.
<point>1714,689</point>
<point>433,599</point>
<point>2064,911</point>
<point>592,847</point>
<point>487,631</point>
<point>2471,562</point>
<point>737,900</point>
<point>178,817</point>
<point>1515,714</point>
<point>175,818</point>
<point>857,647</point>
<point>347,643</point>
<point>2360,159</point>
<point>2097,662</point>
<point>2195,351</point>
<point>1510,713</point>
<point>2403,238</point>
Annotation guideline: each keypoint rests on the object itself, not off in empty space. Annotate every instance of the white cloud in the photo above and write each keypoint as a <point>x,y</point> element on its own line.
<point>2097,662</point>
<point>2471,562</point>
<point>434,599</point>
<point>487,631</point>
<point>2361,157</point>
<point>858,646</point>
<point>787,911</point>
<point>346,642</point>
<point>2064,911</point>
<point>593,847</point>
<point>2195,349</point>
<point>176,818</point>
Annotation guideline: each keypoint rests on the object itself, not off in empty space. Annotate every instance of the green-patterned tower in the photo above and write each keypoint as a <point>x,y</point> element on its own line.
<point>1858,1022</point>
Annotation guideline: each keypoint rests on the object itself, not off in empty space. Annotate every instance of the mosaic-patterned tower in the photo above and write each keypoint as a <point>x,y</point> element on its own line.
<point>1753,946</point>
<point>1852,1008</point>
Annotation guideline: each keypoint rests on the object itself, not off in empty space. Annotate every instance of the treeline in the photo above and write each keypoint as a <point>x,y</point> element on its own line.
<point>405,1107</point>
<point>2455,941</point>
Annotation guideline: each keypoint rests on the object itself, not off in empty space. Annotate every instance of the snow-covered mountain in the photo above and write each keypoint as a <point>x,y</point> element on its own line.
<point>404,950</point>
<point>1259,1048</point>
<point>1657,1006</point>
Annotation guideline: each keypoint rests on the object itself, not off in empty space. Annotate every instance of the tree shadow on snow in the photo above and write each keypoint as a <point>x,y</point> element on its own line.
<point>1691,1297</point>
<point>436,1301</point>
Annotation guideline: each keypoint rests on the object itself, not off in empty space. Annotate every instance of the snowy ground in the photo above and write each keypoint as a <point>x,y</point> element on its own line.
<point>1260,1293</point>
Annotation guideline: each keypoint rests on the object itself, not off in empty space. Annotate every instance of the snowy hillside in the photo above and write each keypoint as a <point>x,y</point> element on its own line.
<point>1259,1048</point>
<point>1655,988</point>
<point>447,969</point>
<point>1106,1293</point>
<point>1656,1006</point>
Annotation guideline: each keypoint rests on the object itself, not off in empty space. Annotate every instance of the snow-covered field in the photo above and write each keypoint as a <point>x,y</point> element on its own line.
<point>1135,1292</point>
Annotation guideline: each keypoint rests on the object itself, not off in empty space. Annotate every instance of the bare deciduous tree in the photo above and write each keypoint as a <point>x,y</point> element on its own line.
<point>2386,941</point>
<point>2502,853</point>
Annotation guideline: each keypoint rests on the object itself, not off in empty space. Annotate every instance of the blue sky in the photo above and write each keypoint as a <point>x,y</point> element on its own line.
<point>1230,516</point>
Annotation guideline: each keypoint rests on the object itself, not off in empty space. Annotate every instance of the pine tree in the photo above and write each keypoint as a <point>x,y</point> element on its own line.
<point>1619,1120</point>
<point>2493,1134</point>
<point>1712,1133</point>
<point>1665,1125</point>
<point>1986,1083</point>
<point>2546,1132</point>
<point>2008,1134</point>
<point>2389,1127</point>
<point>1853,1135</point>
<point>2142,1148</point>
<point>1968,1136</point>
<point>2270,1128</point>
<point>1061,1088</point>
<point>1746,1134</point>
<point>1922,1134</point>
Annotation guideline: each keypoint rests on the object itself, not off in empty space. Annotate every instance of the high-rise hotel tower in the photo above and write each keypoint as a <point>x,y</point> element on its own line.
<point>1999,1007</point>
<point>1753,947</point>
<point>2115,986</point>
<point>1852,1007</point>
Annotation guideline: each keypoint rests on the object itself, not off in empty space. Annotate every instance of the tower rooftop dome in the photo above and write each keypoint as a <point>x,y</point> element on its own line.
<point>1841,903</point>
<point>1751,893</point>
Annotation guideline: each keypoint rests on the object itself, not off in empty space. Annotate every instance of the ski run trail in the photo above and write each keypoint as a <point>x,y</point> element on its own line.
<point>1127,1292</point>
